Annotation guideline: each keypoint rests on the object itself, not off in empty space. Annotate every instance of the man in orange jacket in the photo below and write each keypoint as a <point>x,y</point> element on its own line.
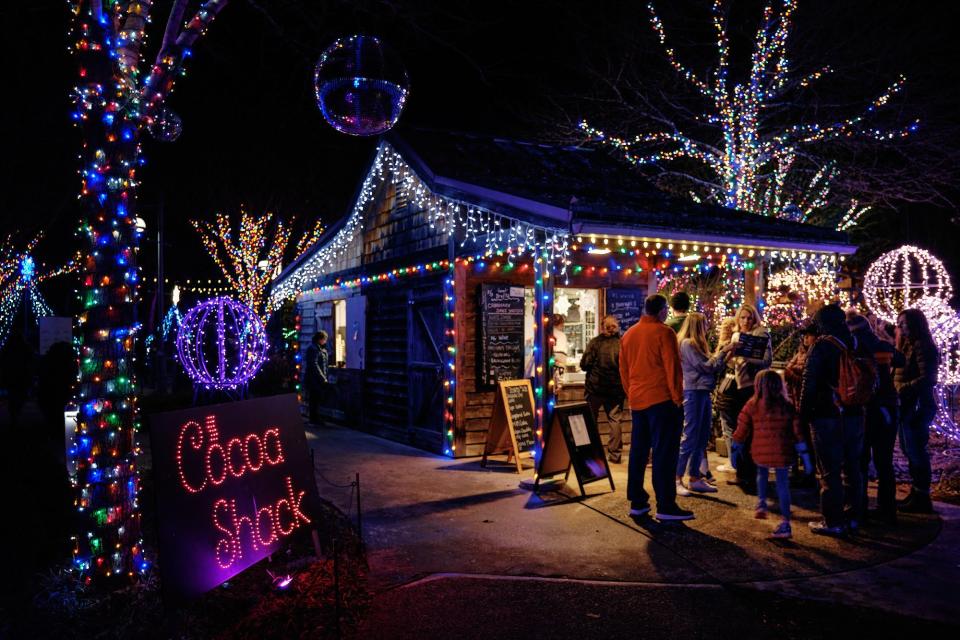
<point>651,375</point>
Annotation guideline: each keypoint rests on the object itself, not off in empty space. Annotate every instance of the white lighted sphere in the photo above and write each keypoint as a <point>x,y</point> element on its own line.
<point>901,278</point>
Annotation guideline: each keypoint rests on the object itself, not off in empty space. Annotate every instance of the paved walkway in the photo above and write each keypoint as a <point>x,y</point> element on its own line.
<point>428,518</point>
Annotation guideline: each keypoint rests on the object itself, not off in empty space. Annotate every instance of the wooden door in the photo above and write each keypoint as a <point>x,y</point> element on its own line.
<point>425,364</point>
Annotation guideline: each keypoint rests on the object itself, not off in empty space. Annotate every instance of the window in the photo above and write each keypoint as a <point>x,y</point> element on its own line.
<point>340,332</point>
<point>579,307</point>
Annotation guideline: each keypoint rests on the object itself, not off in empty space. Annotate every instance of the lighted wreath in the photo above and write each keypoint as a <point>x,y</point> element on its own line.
<point>901,278</point>
<point>221,343</point>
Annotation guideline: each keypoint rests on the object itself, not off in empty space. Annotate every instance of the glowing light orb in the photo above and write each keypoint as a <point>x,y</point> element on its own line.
<point>361,86</point>
<point>901,278</point>
<point>166,126</point>
<point>221,343</point>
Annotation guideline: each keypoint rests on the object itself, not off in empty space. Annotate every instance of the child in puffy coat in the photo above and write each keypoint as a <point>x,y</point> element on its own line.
<point>769,425</point>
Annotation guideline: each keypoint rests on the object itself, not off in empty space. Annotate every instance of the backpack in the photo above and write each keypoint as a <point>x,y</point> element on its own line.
<point>858,379</point>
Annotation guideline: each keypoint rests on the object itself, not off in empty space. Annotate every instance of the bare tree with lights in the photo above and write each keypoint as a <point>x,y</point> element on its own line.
<point>252,258</point>
<point>118,96</point>
<point>749,149</point>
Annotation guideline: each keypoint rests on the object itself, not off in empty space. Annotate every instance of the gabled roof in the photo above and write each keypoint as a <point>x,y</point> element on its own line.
<point>587,191</point>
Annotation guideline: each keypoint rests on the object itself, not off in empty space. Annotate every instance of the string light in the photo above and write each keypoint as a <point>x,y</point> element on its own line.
<point>115,100</point>
<point>251,262</point>
<point>902,278</point>
<point>19,280</point>
<point>480,227</point>
<point>754,164</point>
<point>221,344</point>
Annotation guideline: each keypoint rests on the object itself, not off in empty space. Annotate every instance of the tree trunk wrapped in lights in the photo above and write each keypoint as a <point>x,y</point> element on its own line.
<point>115,100</point>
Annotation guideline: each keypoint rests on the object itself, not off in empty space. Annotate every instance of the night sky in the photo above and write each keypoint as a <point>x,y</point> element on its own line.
<point>253,135</point>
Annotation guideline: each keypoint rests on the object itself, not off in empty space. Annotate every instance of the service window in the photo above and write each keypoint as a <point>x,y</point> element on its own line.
<point>340,332</point>
<point>580,310</point>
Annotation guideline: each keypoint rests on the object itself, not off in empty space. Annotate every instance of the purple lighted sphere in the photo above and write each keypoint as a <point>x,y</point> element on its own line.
<point>221,343</point>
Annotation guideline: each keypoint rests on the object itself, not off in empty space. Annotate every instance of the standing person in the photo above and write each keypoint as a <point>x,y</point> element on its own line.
<point>881,419</point>
<point>680,303</point>
<point>726,392</point>
<point>793,376</point>
<point>651,374</point>
<point>699,378</point>
<point>745,370</point>
<point>560,349</point>
<point>837,430</point>
<point>793,372</point>
<point>770,422</point>
<point>601,362</point>
<point>16,369</point>
<point>315,376</point>
<point>915,381</point>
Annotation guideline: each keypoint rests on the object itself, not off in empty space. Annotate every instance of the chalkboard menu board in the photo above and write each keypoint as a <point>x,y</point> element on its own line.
<point>626,305</point>
<point>500,334</point>
<point>512,425</point>
<point>520,412</point>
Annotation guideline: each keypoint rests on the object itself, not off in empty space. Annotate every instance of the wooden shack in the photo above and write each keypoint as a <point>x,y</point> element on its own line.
<point>441,218</point>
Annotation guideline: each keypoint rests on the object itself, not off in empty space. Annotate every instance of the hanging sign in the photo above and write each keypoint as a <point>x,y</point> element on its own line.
<point>234,481</point>
<point>512,425</point>
<point>500,334</point>
<point>573,440</point>
<point>626,304</point>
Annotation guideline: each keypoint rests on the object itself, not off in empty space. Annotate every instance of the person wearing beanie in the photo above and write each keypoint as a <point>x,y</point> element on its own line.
<point>837,430</point>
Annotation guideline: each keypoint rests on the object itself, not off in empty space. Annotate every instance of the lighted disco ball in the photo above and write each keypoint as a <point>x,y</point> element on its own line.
<point>361,86</point>
<point>165,126</point>
<point>902,278</point>
<point>221,343</point>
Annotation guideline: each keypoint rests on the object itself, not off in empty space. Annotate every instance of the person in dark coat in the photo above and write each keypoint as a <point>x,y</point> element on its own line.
<point>16,373</point>
<point>601,362</point>
<point>57,375</point>
<point>837,430</point>
<point>881,417</point>
<point>915,382</point>
<point>315,375</point>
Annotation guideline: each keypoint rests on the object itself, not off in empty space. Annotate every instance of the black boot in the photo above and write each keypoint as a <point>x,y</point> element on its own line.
<point>921,503</point>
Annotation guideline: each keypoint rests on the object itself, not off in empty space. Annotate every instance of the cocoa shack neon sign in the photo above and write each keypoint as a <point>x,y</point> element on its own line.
<point>235,458</point>
<point>233,481</point>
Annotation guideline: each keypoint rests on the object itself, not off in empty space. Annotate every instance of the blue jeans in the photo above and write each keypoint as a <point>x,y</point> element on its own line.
<point>658,428</point>
<point>783,489</point>
<point>697,416</point>
<point>914,434</point>
<point>838,444</point>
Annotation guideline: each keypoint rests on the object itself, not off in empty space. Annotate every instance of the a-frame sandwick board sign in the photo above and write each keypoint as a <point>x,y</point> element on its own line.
<point>573,440</point>
<point>512,428</point>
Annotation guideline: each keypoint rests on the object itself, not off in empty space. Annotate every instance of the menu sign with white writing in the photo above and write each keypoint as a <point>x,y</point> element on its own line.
<point>626,305</point>
<point>233,482</point>
<point>500,334</point>
<point>520,411</point>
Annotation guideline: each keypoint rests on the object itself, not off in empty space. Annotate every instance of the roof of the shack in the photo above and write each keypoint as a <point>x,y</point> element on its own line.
<point>602,195</point>
<point>580,189</point>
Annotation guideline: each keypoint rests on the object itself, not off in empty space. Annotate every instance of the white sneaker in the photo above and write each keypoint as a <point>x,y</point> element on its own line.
<point>682,490</point>
<point>726,468</point>
<point>702,486</point>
